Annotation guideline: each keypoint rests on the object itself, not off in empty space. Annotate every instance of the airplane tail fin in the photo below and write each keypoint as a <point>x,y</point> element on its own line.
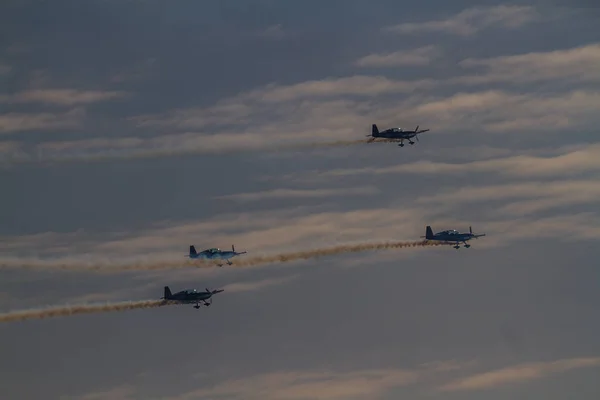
<point>428,233</point>
<point>167,293</point>
<point>374,130</point>
<point>193,251</point>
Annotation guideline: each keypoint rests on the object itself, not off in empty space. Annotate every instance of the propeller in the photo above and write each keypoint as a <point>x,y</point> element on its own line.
<point>417,133</point>
<point>471,232</point>
<point>233,248</point>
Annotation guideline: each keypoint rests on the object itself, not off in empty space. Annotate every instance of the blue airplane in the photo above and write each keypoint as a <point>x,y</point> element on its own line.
<point>191,296</point>
<point>451,236</point>
<point>214,254</point>
<point>395,134</point>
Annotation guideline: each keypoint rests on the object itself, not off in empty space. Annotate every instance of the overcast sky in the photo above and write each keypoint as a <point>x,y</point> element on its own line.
<point>130,130</point>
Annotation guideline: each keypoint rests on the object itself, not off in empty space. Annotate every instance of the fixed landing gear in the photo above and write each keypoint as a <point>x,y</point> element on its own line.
<point>401,145</point>
<point>197,306</point>
<point>457,246</point>
<point>411,142</point>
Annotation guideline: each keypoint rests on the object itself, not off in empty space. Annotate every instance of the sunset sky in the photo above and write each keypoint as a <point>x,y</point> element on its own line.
<point>130,130</point>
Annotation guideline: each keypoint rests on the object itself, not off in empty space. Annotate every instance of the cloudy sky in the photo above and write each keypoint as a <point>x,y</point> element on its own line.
<point>132,129</point>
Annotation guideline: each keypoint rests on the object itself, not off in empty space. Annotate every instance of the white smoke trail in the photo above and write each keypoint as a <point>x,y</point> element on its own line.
<point>141,152</point>
<point>238,262</point>
<point>80,309</point>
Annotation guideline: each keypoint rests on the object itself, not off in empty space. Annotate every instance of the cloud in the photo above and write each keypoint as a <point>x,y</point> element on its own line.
<point>19,122</point>
<point>257,285</point>
<point>472,20</point>
<point>260,233</point>
<point>301,193</point>
<point>227,112</point>
<point>314,122</point>
<point>414,57</point>
<point>540,195</point>
<point>578,63</point>
<point>320,110</point>
<point>519,374</point>
<point>318,384</point>
<point>585,159</point>
<point>63,97</point>
<point>124,392</point>
<point>354,85</point>
<point>263,234</point>
<point>499,111</point>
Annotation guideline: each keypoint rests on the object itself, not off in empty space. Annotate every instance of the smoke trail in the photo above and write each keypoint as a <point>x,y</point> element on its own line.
<point>303,255</point>
<point>320,144</point>
<point>241,261</point>
<point>338,143</point>
<point>109,154</point>
<point>79,309</point>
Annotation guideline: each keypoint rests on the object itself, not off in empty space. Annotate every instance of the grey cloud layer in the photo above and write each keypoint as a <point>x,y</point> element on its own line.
<point>472,20</point>
<point>327,118</point>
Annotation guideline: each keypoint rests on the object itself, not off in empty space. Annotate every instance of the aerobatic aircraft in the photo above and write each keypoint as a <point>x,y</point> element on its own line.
<point>214,254</point>
<point>451,235</point>
<point>395,134</point>
<point>191,296</point>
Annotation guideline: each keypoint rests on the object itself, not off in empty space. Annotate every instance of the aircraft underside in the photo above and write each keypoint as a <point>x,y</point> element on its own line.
<point>395,139</point>
<point>457,246</point>
<point>220,264</point>
<point>197,306</point>
<point>402,142</point>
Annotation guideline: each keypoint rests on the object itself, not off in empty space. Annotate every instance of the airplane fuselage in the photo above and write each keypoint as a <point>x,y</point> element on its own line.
<point>460,237</point>
<point>223,255</point>
<point>451,236</point>
<point>389,134</point>
<point>190,297</point>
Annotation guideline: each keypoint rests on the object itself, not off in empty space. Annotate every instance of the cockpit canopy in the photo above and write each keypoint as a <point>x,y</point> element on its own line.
<point>213,250</point>
<point>451,232</point>
<point>397,129</point>
<point>189,291</point>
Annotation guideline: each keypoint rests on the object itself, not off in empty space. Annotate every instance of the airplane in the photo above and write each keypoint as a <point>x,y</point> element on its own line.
<point>214,254</point>
<point>191,296</point>
<point>451,236</point>
<point>396,134</point>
